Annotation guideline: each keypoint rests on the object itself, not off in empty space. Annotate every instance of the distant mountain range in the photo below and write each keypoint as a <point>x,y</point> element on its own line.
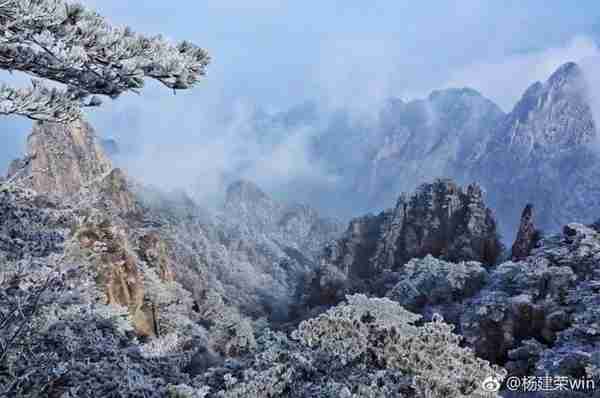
<point>542,152</point>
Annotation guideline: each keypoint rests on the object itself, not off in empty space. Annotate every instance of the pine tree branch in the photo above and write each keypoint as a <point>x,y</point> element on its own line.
<point>69,44</point>
<point>41,103</point>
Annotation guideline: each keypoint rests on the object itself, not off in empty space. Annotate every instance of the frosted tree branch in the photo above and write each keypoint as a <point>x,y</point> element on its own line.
<point>69,44</point>
<point>42,103</point>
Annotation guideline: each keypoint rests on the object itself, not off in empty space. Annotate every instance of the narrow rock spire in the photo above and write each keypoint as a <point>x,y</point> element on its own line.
<point>526,236</point>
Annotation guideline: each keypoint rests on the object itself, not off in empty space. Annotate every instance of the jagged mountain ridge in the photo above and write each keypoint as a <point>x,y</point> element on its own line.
<point>139,242</point>
<point>543,152</point>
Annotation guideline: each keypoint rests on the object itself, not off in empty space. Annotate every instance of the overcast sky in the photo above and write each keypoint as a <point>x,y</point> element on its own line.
<point>274,54</point>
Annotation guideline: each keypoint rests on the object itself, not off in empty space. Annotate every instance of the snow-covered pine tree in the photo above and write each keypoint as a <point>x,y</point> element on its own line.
<point>66,43</point>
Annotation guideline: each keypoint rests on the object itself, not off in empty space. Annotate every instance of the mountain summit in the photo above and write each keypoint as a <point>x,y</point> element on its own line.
<point>541,154</point>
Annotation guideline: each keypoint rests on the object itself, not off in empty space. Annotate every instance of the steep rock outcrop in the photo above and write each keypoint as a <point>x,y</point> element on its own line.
<point>527,235</point>
<point>353,253</point>
<point>153,250</point>
<point>117,268</point>
<point>114,191</point>
<point>441,219</point>
<point>68,177</point>
<point>64,159</point>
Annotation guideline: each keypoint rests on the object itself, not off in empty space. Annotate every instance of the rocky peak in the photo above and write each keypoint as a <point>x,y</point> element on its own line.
<point>566,74</point>
<point>551,117</point>
<point>62,159</point>
<point>541,154</point>
<point>440,218</point>
<point>452,94</point>
<point>245,191</point>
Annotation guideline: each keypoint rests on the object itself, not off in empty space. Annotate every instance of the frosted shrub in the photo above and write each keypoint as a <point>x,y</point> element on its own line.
<point>161,346</point>
<point>185,391</point>
<point>432,281</point>
<point>231,334</point>
<point>440,366</point>
<point>365,347</point>
<point>343,332</point>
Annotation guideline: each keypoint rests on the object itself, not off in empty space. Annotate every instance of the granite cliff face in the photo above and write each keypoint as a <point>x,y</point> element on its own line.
<point>64,159</point>
<point>67,176</point>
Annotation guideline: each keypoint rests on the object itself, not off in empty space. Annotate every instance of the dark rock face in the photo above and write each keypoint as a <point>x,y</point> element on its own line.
<point>444,220</point>
<point>526,236</point>
<point>353,253</point>
<point>441,219</point>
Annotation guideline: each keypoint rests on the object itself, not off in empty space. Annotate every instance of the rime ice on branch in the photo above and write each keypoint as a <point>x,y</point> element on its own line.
<point>76,47</point>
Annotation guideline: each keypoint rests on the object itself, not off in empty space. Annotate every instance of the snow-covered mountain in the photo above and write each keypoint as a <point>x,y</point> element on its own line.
<point>544,152</point>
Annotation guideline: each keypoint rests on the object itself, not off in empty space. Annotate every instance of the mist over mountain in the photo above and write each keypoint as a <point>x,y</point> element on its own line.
<point>544,152</point>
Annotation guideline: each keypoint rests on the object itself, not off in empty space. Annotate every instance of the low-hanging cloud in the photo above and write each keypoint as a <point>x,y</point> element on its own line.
<point>208,144</point>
